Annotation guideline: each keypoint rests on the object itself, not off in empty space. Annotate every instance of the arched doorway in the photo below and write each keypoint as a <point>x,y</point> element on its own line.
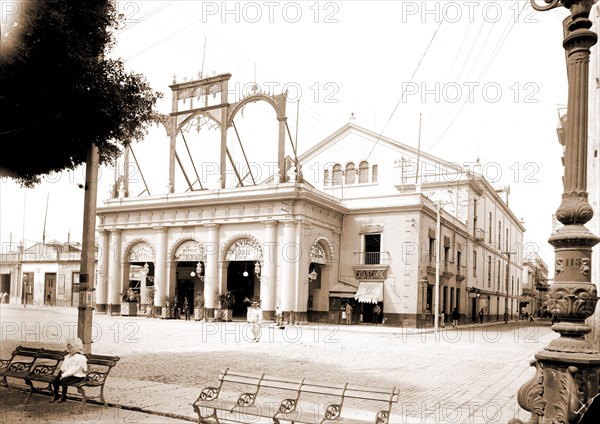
<point>189,274</point>
<point>243,283</point>
<point>243,272</point>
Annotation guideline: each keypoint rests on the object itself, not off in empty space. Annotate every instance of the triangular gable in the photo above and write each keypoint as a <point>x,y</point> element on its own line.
<point>353,129</point>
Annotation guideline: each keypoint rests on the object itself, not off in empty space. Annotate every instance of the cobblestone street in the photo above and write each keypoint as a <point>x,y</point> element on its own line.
<point>468,375</point>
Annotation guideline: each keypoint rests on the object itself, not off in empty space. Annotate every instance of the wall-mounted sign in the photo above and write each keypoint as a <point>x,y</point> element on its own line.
<point>244,250</point>
<point>370,274</point>
<point>142,252</point>
<point>190,251</point>
<point>317,254</point>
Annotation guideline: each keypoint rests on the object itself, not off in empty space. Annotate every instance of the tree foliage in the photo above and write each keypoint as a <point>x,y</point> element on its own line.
<point>59,93</point>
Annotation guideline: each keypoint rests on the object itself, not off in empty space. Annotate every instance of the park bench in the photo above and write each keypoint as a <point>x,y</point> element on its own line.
<point>38,365</point>
<point>242,397</point>
<point>26,359</point>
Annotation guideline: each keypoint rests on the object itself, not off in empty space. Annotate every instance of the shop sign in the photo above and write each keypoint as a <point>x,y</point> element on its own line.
<point>244,250</point>
<point>190,251</point>
<point>317,254</point>
<point>370,274</point>
<point>141,252</point>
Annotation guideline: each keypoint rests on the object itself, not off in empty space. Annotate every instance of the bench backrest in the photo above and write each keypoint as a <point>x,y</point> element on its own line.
<point>102,360</point>
<point>21,360</point>
<point>258,381</point>
<point>47,361</point>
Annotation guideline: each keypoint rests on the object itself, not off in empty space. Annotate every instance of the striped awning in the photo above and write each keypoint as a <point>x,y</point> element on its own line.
<point>369,292</point>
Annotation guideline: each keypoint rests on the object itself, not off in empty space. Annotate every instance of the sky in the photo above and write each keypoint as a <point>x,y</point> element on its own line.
<point>479,83</point>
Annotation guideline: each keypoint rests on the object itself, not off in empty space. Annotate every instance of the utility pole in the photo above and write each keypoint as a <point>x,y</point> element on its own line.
<point>438,233</point>
<point>507,278</point>
<point>436,295</point>
<point>88,252</point>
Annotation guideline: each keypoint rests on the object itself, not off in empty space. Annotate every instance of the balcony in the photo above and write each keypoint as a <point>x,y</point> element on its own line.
<point>371,258</point>
<point>479,234</point>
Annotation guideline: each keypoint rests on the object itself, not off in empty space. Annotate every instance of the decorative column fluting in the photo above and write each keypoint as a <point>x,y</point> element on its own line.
<point>568,369</point>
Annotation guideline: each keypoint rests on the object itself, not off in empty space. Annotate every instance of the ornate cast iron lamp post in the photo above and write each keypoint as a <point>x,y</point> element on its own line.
<point>568,369</point>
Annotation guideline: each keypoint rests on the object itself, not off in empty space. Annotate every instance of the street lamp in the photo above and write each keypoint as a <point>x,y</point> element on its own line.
<point>566,379</point>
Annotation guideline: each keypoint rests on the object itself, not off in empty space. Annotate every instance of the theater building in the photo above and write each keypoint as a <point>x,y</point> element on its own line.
<point>353,219</point>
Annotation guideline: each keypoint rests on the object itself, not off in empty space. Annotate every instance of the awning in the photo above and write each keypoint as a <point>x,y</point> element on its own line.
<point>369,292</point>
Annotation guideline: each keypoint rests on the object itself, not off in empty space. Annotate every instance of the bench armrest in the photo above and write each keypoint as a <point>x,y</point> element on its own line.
<point>287,405</point>
<point>382,417</point>
<point>93,378</point>
<point>332,411</point>
<point>208,393</point>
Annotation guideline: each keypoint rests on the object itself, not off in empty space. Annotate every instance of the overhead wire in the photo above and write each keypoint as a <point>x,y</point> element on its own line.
<point>497,48</point>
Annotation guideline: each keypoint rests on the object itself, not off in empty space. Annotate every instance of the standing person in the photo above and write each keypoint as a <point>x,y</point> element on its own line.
<point>48,299</point>
<point>279,316</point>
<point>376,312</point>
<point>455,317</point>
<point>348,314</point>
<point>73,370</point>
<point>255,320</point>
<point>442,319</point>
<point>186,309</point>
<point>481,316</point>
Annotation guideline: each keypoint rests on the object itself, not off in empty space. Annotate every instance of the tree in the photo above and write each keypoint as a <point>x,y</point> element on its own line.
<point>59,94</point>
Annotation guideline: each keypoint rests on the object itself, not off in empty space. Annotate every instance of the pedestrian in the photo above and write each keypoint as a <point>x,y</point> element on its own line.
<point>455,317</point>
<point>73,370</point>
<point>255,320</point>
<point>186,309</point>
<point>481,316</point>
<point>376,312</point>
<point>442,319</point>
<point>348,314</point>
<point>48,299</point>
<point>279,316</point>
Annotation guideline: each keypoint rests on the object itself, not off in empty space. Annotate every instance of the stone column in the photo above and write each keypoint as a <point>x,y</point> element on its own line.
<point>269,266</point>
<point>568,369</point>
<point>211,279</point>
<point>160,269</point>
<point>115,282</point>
<point>289,257</point>
<point>101,284</point>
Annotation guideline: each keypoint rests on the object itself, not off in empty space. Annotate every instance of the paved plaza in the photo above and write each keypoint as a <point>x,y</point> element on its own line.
<point>468,375</point>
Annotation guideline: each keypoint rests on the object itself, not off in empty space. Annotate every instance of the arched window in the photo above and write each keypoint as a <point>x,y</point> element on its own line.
<point>363,172</point>
<point>336,177</point>
<point>326,177</point>
<point>350,173</point>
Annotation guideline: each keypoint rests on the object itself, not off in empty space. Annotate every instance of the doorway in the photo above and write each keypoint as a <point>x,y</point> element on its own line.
<point>50,289</point>
<point>242,282</point>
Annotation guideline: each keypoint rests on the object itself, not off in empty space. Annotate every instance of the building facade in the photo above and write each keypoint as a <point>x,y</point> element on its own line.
<point>358,218</point>
<point>357,224</point>
<point>42,274</point>
<point>535,287</point>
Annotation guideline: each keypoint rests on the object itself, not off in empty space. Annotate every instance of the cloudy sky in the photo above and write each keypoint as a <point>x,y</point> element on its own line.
<point>481,80</point>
